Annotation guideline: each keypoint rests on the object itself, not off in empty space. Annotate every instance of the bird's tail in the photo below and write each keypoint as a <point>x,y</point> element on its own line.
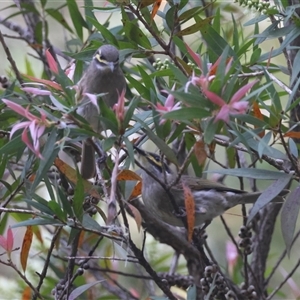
<point>252,197</point>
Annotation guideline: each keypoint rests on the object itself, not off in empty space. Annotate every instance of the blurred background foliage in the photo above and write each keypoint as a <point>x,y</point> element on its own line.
<point>48,203</point>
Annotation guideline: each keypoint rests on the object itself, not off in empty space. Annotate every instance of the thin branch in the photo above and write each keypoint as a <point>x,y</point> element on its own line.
<point>12,265</point>
<point>47,262</point>
<point>284,281</point>
<point>10,59</point>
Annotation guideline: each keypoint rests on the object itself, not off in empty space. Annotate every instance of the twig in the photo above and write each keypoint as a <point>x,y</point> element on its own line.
<point>10,59</point>
<point>284,281</point>
<point>47,262</point>
<point>12,265</point>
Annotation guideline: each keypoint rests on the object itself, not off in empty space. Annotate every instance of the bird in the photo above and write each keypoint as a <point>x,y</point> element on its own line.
<point>104,75</point>
<point>211,198</point>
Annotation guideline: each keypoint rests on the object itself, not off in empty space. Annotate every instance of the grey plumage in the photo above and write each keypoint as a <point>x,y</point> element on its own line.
<point>103,75</point>
<point>211,198</point>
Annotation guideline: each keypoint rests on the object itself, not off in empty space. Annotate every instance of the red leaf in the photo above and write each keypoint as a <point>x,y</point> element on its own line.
<point>26,247</point>
<point>51,62</point>
<point>190,209</point>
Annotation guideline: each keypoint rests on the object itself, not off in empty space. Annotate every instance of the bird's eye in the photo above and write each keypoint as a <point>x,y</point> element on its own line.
<point>157,158</point>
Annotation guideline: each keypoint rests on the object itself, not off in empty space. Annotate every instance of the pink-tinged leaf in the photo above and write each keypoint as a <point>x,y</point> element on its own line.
<point>119,107</point>
<point>214,98</point>
<point>70,71</point>
<point>3,242</point>
<point>228,66</point>
<point>232,256</point>
<point>51,62</point>
<point>240,107</point>
<point>50,83</point>
<point>18,109</point>
<point>169,102</point>
<point>223,114</point>
<point>196,57</point>
<point>10,240</point>
<point>27,142</point>
<point>36,91</point>
<point>18,126</point>
<point>242,91</point>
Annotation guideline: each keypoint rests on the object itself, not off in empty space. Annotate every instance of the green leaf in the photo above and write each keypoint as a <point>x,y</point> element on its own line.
<point>255,56</point>
<point>268,150</point>
<point>195,28</point>
<point>77,18</point>
<point>66,204</point>
<point>167,151</point>
<point>80,290</point>
<point>56,208</point>
<point>134,33</point>
<point>56,15</point>
<point>88,11</point>
<point>187,114</point>
<point>192,293</point>
<point>253,173</point>
<point>78,197</point>
<point>214,41</point>
<point>49,154</point>
<point>190,13</point>
<point>294,33</point>
<point>40,204</point>
<point>39,221</point>
<point>170,17</point>
<point>289,215</point>
<point>269,194</point>
<point>89,223</point>
<point>257,19</point>
<point>108,36</point>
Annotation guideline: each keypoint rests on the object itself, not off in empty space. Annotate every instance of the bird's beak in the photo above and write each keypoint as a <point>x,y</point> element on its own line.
<point>111,66</point>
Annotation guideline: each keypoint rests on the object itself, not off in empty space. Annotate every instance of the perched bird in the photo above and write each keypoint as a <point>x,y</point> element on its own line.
<point>211,198</point>
<point>103,75</point>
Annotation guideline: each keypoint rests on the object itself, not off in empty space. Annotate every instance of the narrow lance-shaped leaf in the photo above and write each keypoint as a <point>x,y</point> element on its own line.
<point>27,241</point>
<point>289,215</point>
<point>269,194</point>
<point>190,209</point>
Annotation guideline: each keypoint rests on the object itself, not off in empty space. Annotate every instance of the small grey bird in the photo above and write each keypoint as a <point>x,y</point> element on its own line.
<point>211,198</point>
<point>103,75</point>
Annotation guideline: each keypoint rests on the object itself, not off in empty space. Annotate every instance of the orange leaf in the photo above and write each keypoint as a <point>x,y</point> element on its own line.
<point>257,113</point>
<point>212,147</point>
<point>26,247</point>
<point>155,9</point>
<point>128,175</point>
<point>32,177</point>
<point>137,216</point>
<point>50,83</point>
<point>189,202</point>
<point>292,134</point>
<point>200,152</point>
<point>136,191</point>
<point>37,233</point>
<point>71,174</point>
<point>81,238</point>
<point>214,68</point>
<point>26,295</point>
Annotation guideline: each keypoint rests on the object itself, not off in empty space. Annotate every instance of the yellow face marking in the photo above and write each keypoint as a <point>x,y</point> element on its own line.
<point>98,57</point>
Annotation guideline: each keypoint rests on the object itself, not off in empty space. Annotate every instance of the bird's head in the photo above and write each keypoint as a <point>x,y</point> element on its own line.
<point>107,58</point>
<point>153,163</point>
